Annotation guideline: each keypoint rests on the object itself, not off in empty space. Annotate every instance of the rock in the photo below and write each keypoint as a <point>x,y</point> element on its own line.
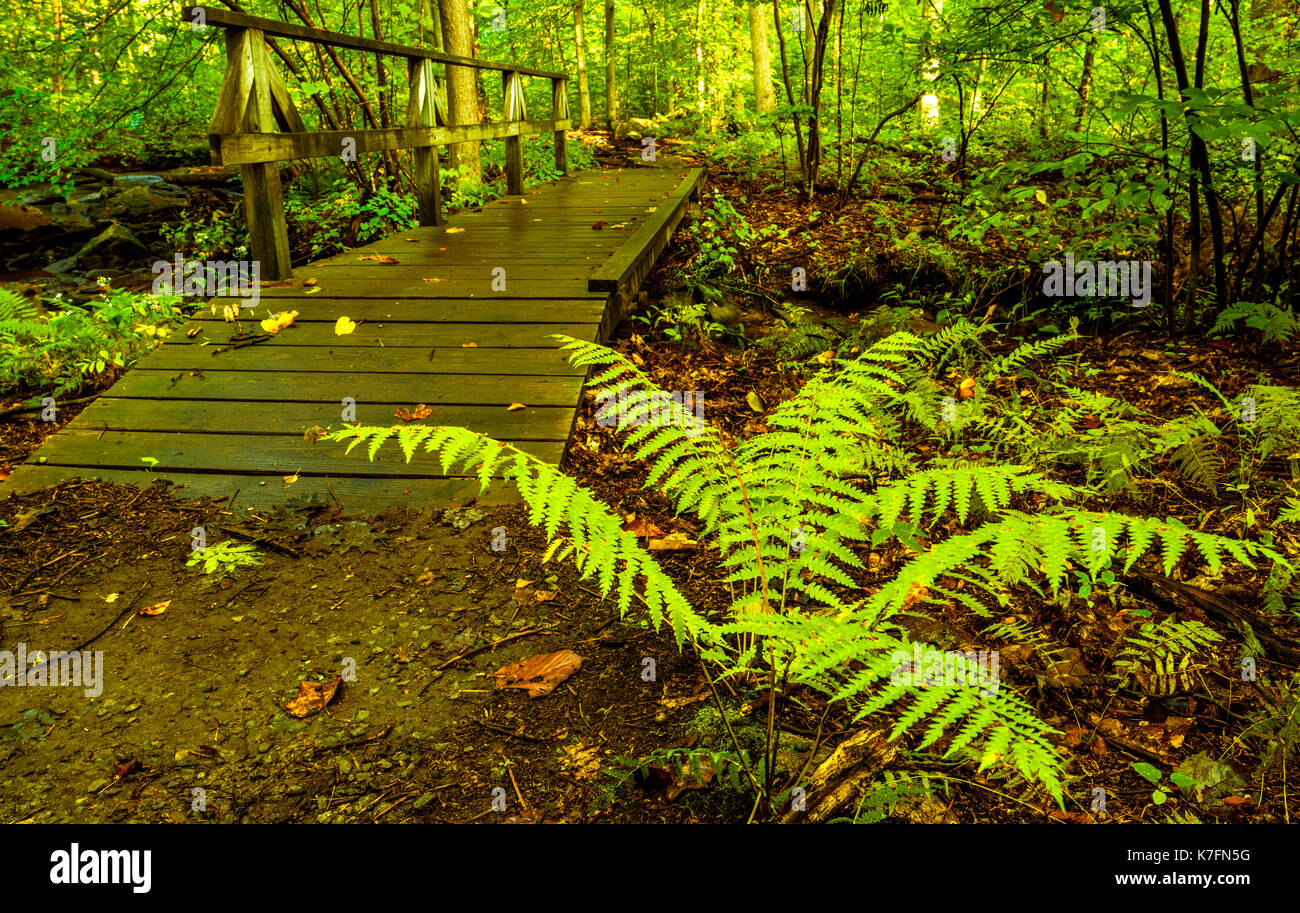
<point>138,202</point>
<point>137,179</point>
<point>116,242</point>
<point>726,313</point>
<point>40,197</point>
<point>21,219</point>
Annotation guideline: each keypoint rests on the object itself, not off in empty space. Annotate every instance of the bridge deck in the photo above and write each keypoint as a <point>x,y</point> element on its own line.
<point>434,329</point>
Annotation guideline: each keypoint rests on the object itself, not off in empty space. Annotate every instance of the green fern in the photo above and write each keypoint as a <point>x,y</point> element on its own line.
<point>791,513</point>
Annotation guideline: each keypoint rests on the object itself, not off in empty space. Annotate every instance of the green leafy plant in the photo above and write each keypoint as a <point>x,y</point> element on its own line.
<point>1152,774</point>
<point>57,347</point>
<point>226,557</point>
<point>790,513</point>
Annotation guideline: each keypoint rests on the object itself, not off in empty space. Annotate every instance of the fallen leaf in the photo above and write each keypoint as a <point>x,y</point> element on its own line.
<point>431,280</point>
<point>313,696</point>
<point>156,609</point>
<point>312,291</point>
<point>123,770</point>
<point>314,434</point>
<point>673,542</point>
<point>380,258</point>
<point>642,529</point>
<point>277,322</point>
<point>289,480</point>
<point>411,415</point>
<point>344,326</point>
<point>755,401</point>
<point>112,597</point>
<point>426,578</point>
<point>312,281</point>
<point>539,674</point>
<point>599,225</point>
<point>454,231</point>
<point>469,345</point>
<point>515,407</point>
<point>967,388</point>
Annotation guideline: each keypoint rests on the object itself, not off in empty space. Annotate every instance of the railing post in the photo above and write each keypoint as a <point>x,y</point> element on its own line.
<point>421,112</point>
<point>246,106</point>
<point>560,111</point>
<point>515,110</point>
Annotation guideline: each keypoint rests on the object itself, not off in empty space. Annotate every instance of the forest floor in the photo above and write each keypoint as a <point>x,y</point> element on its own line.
<point>425,611</point>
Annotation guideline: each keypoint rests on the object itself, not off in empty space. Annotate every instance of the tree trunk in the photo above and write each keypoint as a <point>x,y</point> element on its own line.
<point>930,12</point>
<point>764,94</point>
<point>584,90</point>
<point>462,94</point>
<point>611,94</point>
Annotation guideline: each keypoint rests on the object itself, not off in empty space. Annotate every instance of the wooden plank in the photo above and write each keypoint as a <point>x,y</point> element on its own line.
<point>352,360</point>
<point>550,423</point>
<point>225,18</point>
<point>461,272</point>
<point>264,490</point>
<point>328,307</point>
<point>421,112</point>
<point>255,147</point>
<point>560,111</point>
<point>516,110</point>
<point>263,195</point>
<point>233,454</point>
<point>343,287</point>
<point>236,84</point>
<point>648,240</point>
<point>413,335</point>
<point>390,389</point>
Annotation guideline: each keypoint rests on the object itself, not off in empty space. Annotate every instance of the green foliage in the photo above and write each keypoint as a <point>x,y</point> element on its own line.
<point>1153,775</point>
<point>57,353</point>
<point>225,557</point>
<point>1162,656</point>
<point>789,520</point>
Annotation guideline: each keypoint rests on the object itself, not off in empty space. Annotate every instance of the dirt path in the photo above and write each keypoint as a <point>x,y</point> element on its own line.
<point>191,721</point>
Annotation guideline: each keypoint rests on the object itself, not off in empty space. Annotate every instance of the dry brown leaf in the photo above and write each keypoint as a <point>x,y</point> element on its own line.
<point>539,674</point>
<point>642,529</point>
<point>380,258</point>
<point>313,696</point>
<point>156,609</point>
<point>411,415</point>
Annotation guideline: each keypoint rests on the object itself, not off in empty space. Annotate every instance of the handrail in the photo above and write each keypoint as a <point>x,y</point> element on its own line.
<point>254,101</point>
<point>204,15</point>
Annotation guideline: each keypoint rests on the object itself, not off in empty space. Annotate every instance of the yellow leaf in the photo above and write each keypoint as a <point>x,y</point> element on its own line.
<point>454,231</point>
<point>515,407</point>
<point>469,345</point>
<point>755,401</point>
<point>343,326</point>
<point>156,609</point>
<point>1040,196</point>
<point>289,480</point>
<point>277,322</point>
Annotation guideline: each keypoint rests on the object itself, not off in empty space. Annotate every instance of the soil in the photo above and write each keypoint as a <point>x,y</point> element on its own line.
<point>193,699</point>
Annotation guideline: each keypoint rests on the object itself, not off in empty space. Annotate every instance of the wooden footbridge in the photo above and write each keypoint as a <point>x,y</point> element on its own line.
<point>454,315</point>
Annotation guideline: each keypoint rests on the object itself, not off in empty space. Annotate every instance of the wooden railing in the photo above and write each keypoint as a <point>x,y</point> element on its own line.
<point>254,102</point>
